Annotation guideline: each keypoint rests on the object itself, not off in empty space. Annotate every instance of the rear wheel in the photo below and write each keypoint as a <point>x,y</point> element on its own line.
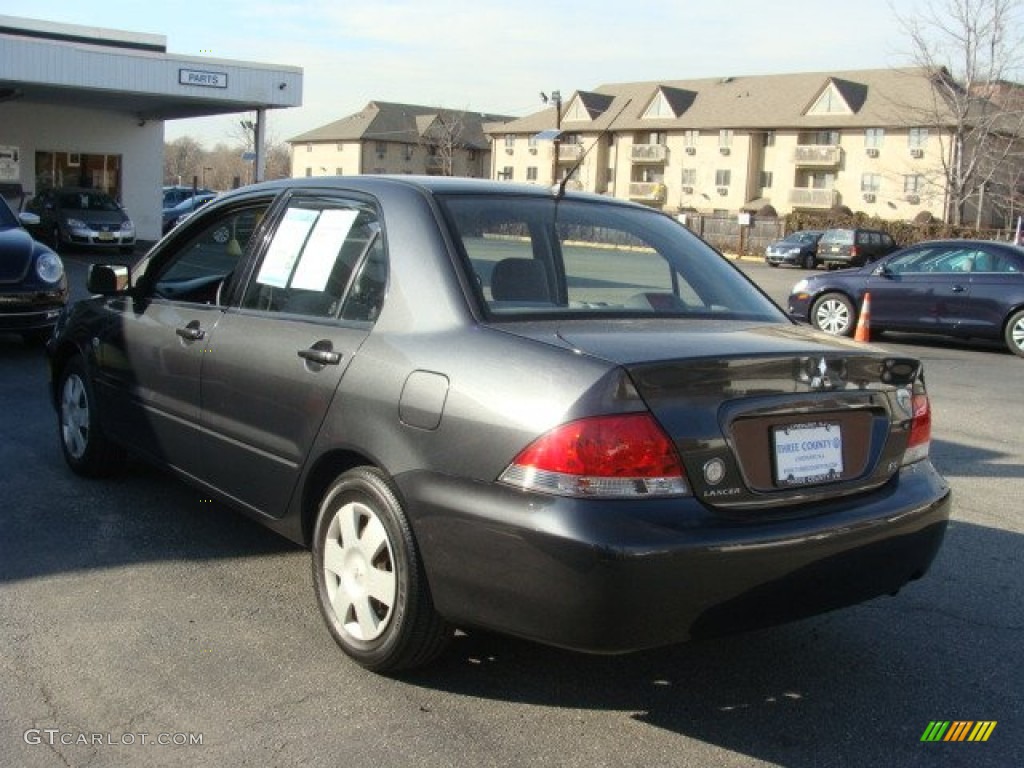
<point>834,313</point>
<point>369,578</point>
<point>1014,333</point>
<point>86,448</point>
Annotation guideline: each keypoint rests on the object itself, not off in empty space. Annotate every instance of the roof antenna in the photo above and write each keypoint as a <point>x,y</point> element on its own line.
<point>560,192</point>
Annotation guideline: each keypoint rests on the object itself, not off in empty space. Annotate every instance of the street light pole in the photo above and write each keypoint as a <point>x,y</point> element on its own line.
<point>556,99</point>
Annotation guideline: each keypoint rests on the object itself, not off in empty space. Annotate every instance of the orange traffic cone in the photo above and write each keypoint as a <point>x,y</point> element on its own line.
<point>863,332</point>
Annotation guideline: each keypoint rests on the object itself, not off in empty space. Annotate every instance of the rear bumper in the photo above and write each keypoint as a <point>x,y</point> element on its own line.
<point>614,577</point>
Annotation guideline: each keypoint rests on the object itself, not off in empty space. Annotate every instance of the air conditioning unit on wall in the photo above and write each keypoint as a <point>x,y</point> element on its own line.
<point>687,190</point>
<point>869,197</point>
<point>723,190</point>
<point>691,150</point>
<point>913,199</point>
<point>724,150</point>
<point>871,152</point>
<point>917,153</point>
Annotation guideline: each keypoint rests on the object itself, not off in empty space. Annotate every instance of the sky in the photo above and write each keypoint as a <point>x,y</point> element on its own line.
<point>494,56</point>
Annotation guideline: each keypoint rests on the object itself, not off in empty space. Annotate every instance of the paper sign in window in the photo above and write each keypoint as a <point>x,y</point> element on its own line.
<point>322,249</point>
<point>286,247</point>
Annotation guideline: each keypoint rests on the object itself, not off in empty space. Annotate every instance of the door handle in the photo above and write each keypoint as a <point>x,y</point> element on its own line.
<point>958,289</point>
<point>191,332</point>
<point>321,356</point>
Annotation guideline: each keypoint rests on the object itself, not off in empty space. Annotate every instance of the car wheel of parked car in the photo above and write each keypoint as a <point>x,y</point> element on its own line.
<point>1014,334</point>
<point>834,313</point>
<point>86,449</point>
<point>809,261</point>
<point>369,579</point>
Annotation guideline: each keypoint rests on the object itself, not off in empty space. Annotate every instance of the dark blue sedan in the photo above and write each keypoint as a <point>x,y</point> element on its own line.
<point>963,288</point>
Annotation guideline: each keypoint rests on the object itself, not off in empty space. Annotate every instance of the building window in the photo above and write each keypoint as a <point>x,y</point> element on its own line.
<point>769,138</point>
<point>873,137</point>
<point>723,178</point>
<point>309,171</point>
<point>531,141</point>
<point>725,139</point>
<point>507,173</point>
<point>690,138</point>
<point>510,140</point>
<point>382,148</point>
<point>408,152</point>
<point>531,173</point>
<point>912,184</point>
<point>339,146</point>
<point>766,179</point>
<point>338,171</point>
<point>309,147</point>
<point>689,176</point>
<point>918,138</point>
<point>870,182</point>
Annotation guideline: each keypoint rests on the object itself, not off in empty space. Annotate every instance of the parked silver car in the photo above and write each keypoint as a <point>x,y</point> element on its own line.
<point>558,416</point>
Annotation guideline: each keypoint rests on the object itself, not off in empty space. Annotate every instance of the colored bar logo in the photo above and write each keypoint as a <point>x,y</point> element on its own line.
<point>958,730</point>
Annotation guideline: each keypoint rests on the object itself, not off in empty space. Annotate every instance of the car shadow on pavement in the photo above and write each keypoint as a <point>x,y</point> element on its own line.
<point>856,687</point>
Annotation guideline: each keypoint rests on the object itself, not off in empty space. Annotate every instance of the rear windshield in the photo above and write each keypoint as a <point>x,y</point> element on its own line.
<point>535,257</point>
<point>837,237</point>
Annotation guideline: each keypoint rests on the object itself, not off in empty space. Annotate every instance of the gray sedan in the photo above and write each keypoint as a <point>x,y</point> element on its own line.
<point>553,415</point>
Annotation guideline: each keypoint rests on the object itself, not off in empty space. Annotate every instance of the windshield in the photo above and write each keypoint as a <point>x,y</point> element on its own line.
<point>7,217</point>
<point>87,201</point>
<point>536,257</point>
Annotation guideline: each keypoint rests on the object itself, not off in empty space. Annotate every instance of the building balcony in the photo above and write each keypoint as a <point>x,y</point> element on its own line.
<point>569,153</point>
<point>805,197</point>
<point>817,155</point>
<point>649,153</point>
<point>647,191</point>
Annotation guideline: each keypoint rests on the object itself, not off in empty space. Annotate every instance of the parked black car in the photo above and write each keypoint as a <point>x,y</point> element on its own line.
<point>77,216</point>
<point>188,206</point>
<point>172,195</point>
<point>797,248</point>
<point>853,247</point>
<point>965,288</point>
<point>558,416</point>
<point>33,286</point>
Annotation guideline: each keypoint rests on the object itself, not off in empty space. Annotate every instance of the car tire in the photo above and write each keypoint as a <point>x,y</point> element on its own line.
<point>773,263</point>
<point>1013,334</point>
<point>87,450</point>
<point>369,579</point>
<point>809,261</point>
<point>835,314</point>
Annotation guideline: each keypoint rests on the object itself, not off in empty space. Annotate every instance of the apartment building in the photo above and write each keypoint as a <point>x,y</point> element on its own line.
<point>868,140</point>
<point>394,138</point>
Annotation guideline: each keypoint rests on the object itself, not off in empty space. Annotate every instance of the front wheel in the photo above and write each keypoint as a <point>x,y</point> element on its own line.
<point>369,579</point>
<point>1014,333</point>
<point>86,448</point>
<point>834,313</point>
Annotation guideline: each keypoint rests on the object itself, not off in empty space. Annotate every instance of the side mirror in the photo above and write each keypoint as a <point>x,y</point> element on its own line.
<point>28,219</point>
<point>107,279</point>
<point>882,270</point>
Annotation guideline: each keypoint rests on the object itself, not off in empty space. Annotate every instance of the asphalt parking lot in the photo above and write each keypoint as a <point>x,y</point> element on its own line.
<point>144,625</point>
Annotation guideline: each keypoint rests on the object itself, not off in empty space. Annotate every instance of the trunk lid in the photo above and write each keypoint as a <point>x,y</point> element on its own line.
<point>763,415</point>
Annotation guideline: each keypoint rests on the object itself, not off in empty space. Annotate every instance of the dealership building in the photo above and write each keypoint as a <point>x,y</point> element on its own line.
<point>83,106</point>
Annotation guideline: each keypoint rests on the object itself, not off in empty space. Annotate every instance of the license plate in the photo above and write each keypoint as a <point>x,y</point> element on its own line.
<point>105,236</point>
<point>808,453</point>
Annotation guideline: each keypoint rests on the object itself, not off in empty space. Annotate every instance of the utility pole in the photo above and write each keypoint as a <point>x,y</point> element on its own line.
<point>556,99</point>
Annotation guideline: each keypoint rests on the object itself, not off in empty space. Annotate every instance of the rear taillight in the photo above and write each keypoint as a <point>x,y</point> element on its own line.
<point>628,455</point>
<point>919,442</point>
<point>853,251</point>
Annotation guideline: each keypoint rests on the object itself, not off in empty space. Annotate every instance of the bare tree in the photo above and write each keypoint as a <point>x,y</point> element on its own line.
<point>183,158</point>
<point>973,48</point>
<point>444,140</point>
